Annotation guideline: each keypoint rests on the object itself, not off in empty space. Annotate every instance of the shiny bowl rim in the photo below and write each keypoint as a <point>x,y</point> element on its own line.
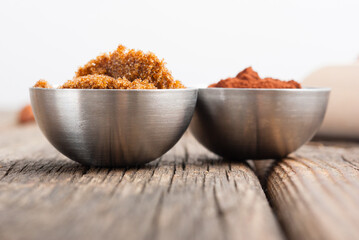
<point>304,89</point>
<point>113,90</point>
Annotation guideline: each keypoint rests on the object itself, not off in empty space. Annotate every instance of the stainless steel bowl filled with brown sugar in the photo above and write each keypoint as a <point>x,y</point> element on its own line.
<point>113,128</point>
<point>243,123</point>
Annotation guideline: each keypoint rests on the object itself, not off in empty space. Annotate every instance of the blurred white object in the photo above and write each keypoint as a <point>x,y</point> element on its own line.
<point>342,117</point>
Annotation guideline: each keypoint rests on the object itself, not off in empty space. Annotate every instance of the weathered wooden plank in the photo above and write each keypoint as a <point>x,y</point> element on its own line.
<point>187,194</point>
<point>315,192</point>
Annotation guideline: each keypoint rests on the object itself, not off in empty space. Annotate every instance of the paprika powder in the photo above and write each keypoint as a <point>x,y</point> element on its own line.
<point>26,115</point>
<point>249,78</point>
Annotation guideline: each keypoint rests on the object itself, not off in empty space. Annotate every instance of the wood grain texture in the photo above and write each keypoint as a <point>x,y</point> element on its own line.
<point>315,191</point>
<point>187,194</point>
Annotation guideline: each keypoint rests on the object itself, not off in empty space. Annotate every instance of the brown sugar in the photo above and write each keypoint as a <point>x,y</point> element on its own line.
<point>97,81</point>
<point>26,115</point>
<point>42,84</point>
<point>132,65</point>
<point>248,78</point>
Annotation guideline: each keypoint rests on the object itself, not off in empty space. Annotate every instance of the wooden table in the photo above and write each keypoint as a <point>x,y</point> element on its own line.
<point>187,194</point>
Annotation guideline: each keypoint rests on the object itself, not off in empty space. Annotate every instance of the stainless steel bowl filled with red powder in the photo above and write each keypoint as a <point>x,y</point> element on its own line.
<point>248,117</point>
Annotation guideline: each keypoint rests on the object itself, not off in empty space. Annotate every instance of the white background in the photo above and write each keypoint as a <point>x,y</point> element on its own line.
<point>202,41</point>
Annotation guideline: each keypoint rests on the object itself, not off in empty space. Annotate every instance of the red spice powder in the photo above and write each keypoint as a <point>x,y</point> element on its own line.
<point>249,78</point>
<point>26,115</point>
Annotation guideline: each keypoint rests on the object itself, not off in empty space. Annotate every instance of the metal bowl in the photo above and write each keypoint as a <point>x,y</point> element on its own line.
<point>113,128</point>
<point>257,123</point>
